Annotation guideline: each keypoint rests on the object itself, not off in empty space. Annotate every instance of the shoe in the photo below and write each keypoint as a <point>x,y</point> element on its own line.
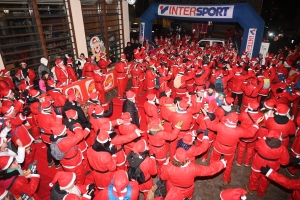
<point>208,180</point>
<point>237,164</point>
<point>226,183</point>
<point>57,166</point>
<point>37,141</point>
<point>50,164</point>
<point>249,191</point>
<point>287,169</point>
<point>204,160</point>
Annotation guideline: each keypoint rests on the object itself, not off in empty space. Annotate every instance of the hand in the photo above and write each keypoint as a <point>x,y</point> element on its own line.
<point>259,120</point>
<point>264,170</point>
<point>26,111</point>
<point>179,124</point>
<point>294,161</point>
<point>19,143</point>
<point>151,192</point>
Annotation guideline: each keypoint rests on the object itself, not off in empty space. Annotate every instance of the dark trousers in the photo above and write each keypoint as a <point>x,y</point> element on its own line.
<point>49,156</point>
<point>262,100</point>
<point>240,98</point>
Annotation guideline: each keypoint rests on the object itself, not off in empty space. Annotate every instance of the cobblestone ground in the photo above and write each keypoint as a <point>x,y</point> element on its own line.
<point>205,190</point>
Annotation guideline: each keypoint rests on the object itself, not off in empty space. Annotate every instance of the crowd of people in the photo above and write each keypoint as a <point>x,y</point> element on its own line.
<point>199,100</point>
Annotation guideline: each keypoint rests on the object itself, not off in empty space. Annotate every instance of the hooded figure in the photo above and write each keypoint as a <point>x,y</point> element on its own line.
<point>43,67</point>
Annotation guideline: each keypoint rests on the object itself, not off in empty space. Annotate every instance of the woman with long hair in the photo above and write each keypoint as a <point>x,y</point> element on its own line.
<point>43,81</point>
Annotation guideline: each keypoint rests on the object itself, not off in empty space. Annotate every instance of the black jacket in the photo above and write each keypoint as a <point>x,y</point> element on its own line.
<point>129,106</point>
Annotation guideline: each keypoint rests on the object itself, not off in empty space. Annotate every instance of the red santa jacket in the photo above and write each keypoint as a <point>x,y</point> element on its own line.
<point>150,79</point>
<point>251,92</point>
<point>194,151</point>
<point>18,104</point>
<point>238,80</point>
<point>202,126</point>
<point>58,98</point>
<point>88,69</point>
<point>138,55</point>
<point>126,129</point>
<point>31,76</point>
<point>46,121</point>
<point>4,85</point>
<point>151,111</point>
<point>286,129</point>
<point>201,77</point>
<point>225,79</point>
<point>291,184</point>
<point>103,194</point>
<point>102,123</point>
<point>121,69</point>
<point>65,76</point>
<point>22,185</point>
<point>68,145</point>
<point>10,82</point>
<point>273,157</point>
<point>148,167</point>
<point>99,81</point>
<point>163,81</point>
<point>103,164</point>
<point>103,63</point>
<point>173,175</point>
<point>247,120</point>
<point>18,130</point>
<point>81,145</point>
<point>228,137</point>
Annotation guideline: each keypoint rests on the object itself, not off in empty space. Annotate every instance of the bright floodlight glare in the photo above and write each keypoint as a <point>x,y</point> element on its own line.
<point>292,41</point>
<point>271,34</point>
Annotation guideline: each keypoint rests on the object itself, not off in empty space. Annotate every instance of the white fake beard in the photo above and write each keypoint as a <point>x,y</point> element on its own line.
<point>75,190</point>
<point>226,108</point>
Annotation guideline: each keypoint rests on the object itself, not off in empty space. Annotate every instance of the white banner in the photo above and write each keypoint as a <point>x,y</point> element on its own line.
<point>250,41</point>
<point>142,31</point>
<point>264,48</point>
<point>225,11</point>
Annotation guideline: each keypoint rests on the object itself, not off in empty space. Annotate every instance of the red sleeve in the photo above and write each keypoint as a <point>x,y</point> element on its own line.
<point>18,120</point>
<point>202,148</point>
<point>123,139</point>
<point>69,142</point>
<point>31,74</point>
<point>250,132</point>
<point>209,170</point>
<point>168,136</point>
<point>111,162</point>
<point>291,184</point>
<point>28,188</point>
<point>83,69</point>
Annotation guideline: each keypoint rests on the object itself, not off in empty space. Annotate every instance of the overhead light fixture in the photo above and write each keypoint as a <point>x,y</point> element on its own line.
<point>6,11</point>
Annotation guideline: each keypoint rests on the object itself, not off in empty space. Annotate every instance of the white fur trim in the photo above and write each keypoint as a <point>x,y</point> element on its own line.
<point>35,175</point>
<point>62,132</point>
<point>10,160</point>
<point>71,182</point>
<point>224,163</point>
<point>269,172</point>
<point>137,131</point>
<point>10,110</point>
<point>4,194</point>
<point>59,116</point>
<point>205,137</point>
<point>230,125</point>
<point>256,126</point>
<point>22,117</point>
<point>243,198</point>
<point>86,196</point>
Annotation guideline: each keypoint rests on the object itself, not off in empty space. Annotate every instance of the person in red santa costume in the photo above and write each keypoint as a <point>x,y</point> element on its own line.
<point>130,106</point>
<point>72,160</point>
<point>64,186</point>
<point>71,122</point>
<point>151,110</point>
<point>269,151</point>
<point>151,78</point>
<point>180,83</point>
<point>122,78</point>
<point>290,184</point>
<point>224,106</point>
<point>120,188</point>
<point>19,131</point>
<point>32,120</point>
<point>26,75</point>
<point>247,119</point>
<point>147,165</point>
<point>233,194</point>
<point>173,118</point>
<point>102,159</point>
<point>88,68</point>
<point>103,62</point>
<point>3,84</point>
<point>65,74</point>
<point>15,180</point>
<point>47,119</point>
<point>8,80</point>
<point>99,78</point>
<point>220,80</point>
<point>172,172</point>
<point>163,80</point>
<point>58,97</point>
<point>228,135</point>
<point>281,121</point>
<point>136,73</point>
<point>8,99</point>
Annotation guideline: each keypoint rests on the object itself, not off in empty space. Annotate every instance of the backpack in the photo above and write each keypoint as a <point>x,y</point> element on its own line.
<point>177,81</point>
<point>134,172</point>
<point>267,83</point>
<point>56,152</point>
<point>219,85</point>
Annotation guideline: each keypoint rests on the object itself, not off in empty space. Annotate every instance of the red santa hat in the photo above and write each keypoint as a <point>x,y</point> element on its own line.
<point>282,109</point>
<point>64,179</point>
<point>33,93</point>
<point>59,130</point>
<point>231,120</point>
<point>123,57</point>
<point>23,87</point>
<point>51,83</point>
<point>120,183</point>
<point>126,116</point>
<point>5,71</point>
<point>46,105</point>
<point>58,61</point>
<point>169,101</point>
<point>23,62</point>
<point>140,146</point>
<point>238,70</point>
<point>103,136</point>
<point>71,114</point>
<point>71,196</point>
<point>253,107</point>
<point>233,194</point>
<point>151,97</point>
<point>99,110</point>
<point>5,162</point>
<point>8,109</point>
<point>6,92</point>
<point>3,193</point>
<point>154,124</point>
<point>274,133</point>
<point>187,138</point>
<point>180,155</point>
<point>182,105</point>
<point>130,94</point>
<point>168,90</point>
<point>94,96</point>
<point>199,89</point>
<point>270,104</point>
<point>228,101</point>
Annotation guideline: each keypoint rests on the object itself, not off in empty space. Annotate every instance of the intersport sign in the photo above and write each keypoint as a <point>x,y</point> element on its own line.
<point>196,11</point>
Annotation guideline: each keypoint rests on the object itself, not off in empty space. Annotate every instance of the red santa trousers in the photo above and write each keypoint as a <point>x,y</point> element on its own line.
<point>216,156</point>
<point>135,85</point>
<point>29,156</point>
<point>122,83</point>
<point>79,171</point>
<point>160,156</point>
<point>242,146</point>
<point>85,163</point>
<point>258,182</point>
<point>145,187</point>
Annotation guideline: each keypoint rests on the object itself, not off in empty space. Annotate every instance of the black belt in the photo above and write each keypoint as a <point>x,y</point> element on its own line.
<point>101,172</point>
<point>88,71</point>
<point>157,146</point>
<point>184,130</point>
<point>200,84</point>
<point>182,187</point>
<point>46,134</point>
<point>284,137</point>
<point>268,159</point>
<point>146,180</point>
